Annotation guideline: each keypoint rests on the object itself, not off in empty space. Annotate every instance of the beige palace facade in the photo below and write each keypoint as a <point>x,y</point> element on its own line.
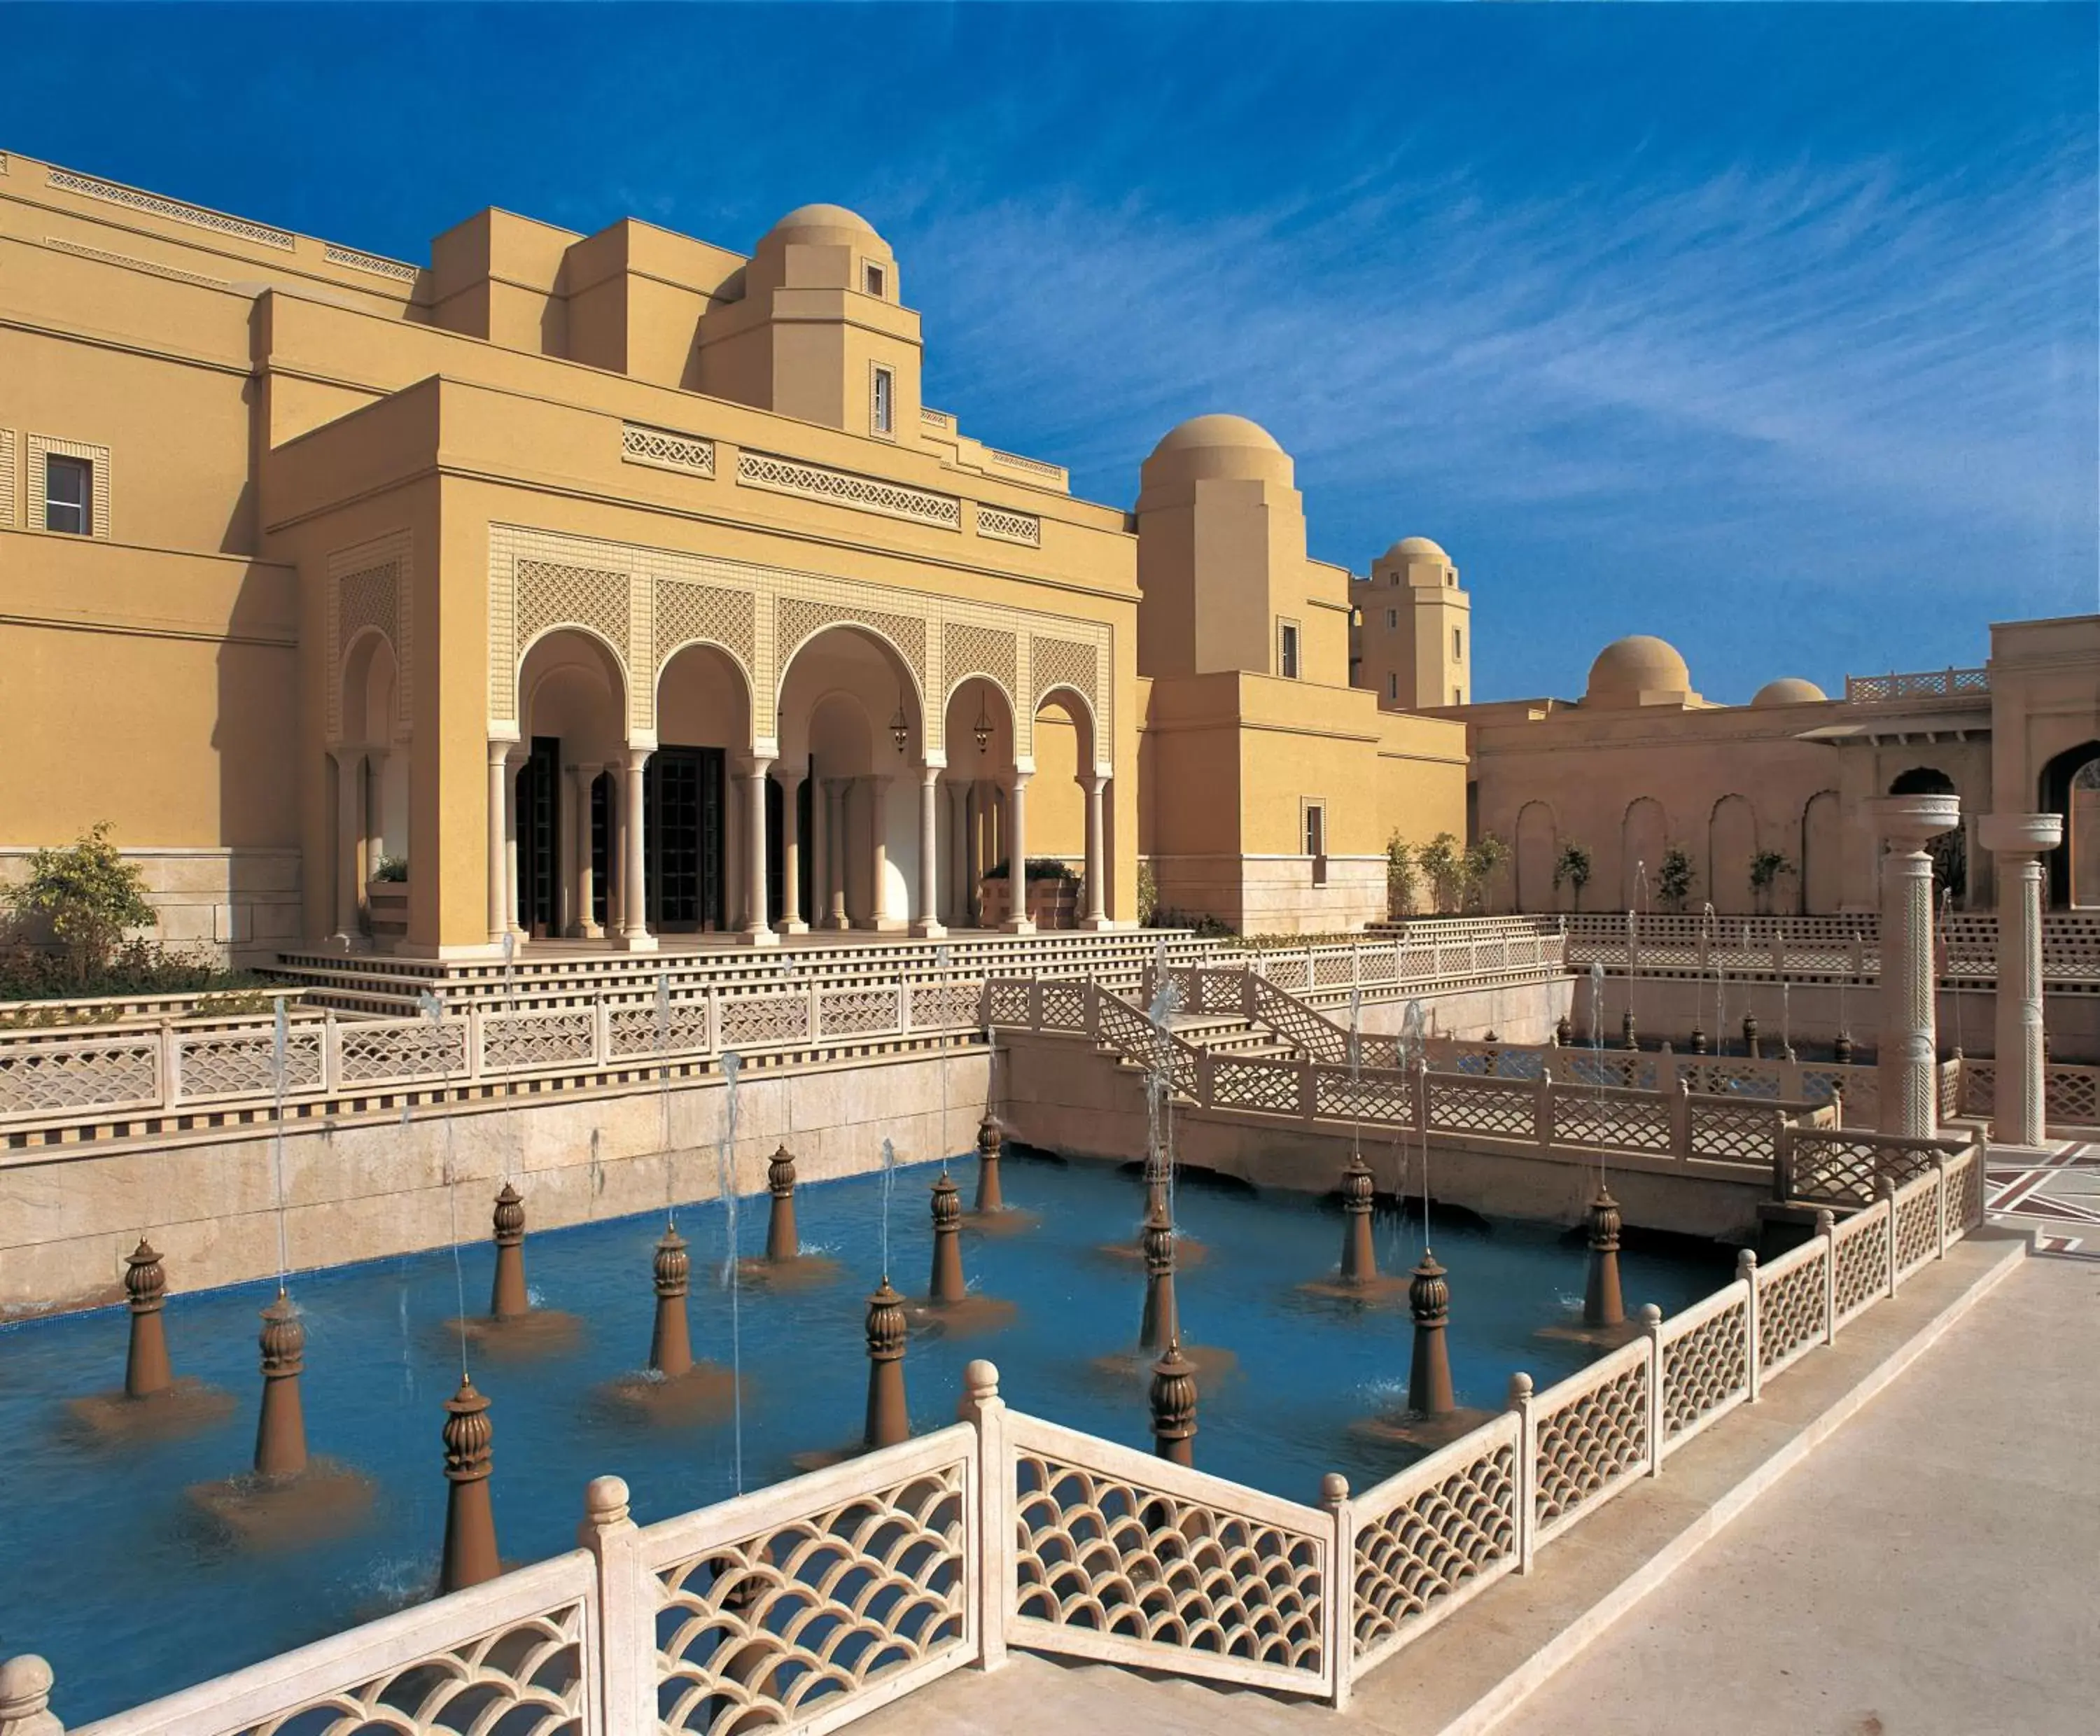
<point>621,586</point>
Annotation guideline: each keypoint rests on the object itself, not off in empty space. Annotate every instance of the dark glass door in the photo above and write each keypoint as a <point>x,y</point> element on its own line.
<point>539,829</point>
<point>776,870</point>
<point>683,828</point>
<point>601,846</point>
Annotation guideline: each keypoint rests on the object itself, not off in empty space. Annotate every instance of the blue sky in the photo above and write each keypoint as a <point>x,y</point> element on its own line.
<point>1769,329</point>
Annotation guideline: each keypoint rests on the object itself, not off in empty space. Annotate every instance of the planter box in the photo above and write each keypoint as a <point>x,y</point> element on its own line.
<point>1052,904</point>
<point>388,901</point>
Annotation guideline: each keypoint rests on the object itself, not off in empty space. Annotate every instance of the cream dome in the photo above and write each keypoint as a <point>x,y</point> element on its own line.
<point>1210,449</point>
<point>1206,433</point>
<point>1416,545</point>
<point>824,226</point>
<point>1638,670</point>
<point>1788,690</point>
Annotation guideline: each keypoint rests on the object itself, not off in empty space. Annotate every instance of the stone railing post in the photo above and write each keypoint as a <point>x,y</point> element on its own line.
<point>1206,1081</point>
<point>1746,1269</point>
<point>983,1407</point>
<point>476,1017</point>
<point>1651,1319</point>
<point>815,1012</point>
<point>1888,1192</point>
<point>25,1698</point>
<point>1826,1227</point>
<point>1526,1469</point>
<point>713,1038</point>
<point>1541,1107</point>
<point>1940,1202</point>
<point>1339,1607</point>
<point>903,1006</point>
<point>331,1053</point>
<point>1907,1060</point>
<point>2019,1113</point>
<point>1779,952</point>
<point>1420,1094</point>
<point>171,1065</point>
<point>1036,1003</point>
<point>1783,1157</point>
<point>1308,1090</point>
<point>1680,1122</point>
<point>601,1033</point>
<point>621,1668</point>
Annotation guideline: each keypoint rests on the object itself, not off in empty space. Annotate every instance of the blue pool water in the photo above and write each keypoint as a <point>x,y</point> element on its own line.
<point>103,1572</point>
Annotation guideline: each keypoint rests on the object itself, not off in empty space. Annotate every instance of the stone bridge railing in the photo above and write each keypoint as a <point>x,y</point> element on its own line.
<point>1724,1131</point>
<point>809,1604</point>
<point>73,1085</point>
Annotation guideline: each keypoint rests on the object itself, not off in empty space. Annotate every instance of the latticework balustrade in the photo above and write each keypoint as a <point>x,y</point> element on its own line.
<point>1791,1300</point>
<point>1592,1433</point>
<point>1705,1363</point>
<point>855,1012</point>
<point>938,1006</point>
<point>1064,1005</point>
<point>2072,1095</point>
<point>1252,1082</point>
<point>1917,1224</point>
<point>50,1079</point>
<point>243,1063</point>
<point>1112,1560</point>
<point>1725,1132</point>
<point>834,1587</point>
<point>1341,1096</point>
<point>1860,1251</point>
<point>518,1042</point>
<point>1440,1529</point>
<point>1613,1123</point>
<point>1469,1106</point>
<point>754,1021</point>
<point>397,1050</point>
<point>644,1031</point>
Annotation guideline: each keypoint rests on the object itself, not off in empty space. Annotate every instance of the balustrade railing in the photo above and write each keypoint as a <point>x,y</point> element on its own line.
<point>811,1603</point>
<point>228,1066</point>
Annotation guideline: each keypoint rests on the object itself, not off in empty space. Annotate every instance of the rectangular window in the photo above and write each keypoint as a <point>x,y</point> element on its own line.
<point>884,408</point>
<point>874,278</point>
<point>1286,651</point>
<point>1458,695</point>
<point>1392,684</point>
<point>1458,643</point>
<point>1316,829</point>
<point>69,495</point>
<point>1392,617</point>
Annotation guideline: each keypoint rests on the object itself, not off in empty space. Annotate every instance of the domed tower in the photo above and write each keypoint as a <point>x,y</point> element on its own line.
<point>820,331</point>
<point>1418,629</point>
<point>1639,670</point>
<point>1221,554</point>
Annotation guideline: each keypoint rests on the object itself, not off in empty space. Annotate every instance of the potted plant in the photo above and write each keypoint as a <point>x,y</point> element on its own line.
<point>1766,866</point>
<point>386,898</point>
<point>1573,868</point>
<point>1673,879</point>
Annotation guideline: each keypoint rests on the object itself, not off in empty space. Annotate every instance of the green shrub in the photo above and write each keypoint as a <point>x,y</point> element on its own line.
<point>1572,866</point>
<point>87,894</point>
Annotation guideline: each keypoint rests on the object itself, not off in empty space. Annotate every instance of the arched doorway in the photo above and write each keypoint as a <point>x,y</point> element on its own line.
<point>2070,790</point>
<point>849,722</point>
<point>1065,824</point>
<point>372,785</point>
<point>980,738</point>
<point>1950,850</point>
<point>572,722</point>
<point>1643,836</point>
<point>1731,835</point>
<point>694,802</point>
<point>1537,843</point>
<point>1822,855</point>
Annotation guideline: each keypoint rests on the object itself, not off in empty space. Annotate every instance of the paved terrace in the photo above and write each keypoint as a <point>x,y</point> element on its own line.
<point>1926,1569</point>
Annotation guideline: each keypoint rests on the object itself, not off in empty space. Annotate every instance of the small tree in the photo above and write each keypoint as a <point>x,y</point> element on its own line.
<point>1444,863</point>
<point>1484,858</point>
<point>1572,866</point>
<point>1403,879</point>
<point>1673,879</point>
<point>1148,894</point>
<point>1766,866</point>
<point>89,894</point>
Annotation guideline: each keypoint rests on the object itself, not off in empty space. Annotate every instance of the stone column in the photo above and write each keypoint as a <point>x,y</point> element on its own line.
<point>792,917</point>
<point>879,918</point>
<point>585,926</point>
<point>835,851</point>
<point>1016,856</point>
<point>634,934</point>
<point>515,759</point>
<point>928,922</point>
<point>757,929</point>
<point>499,837</point>
<point>349,835</point>
<point>959,854</point>
<point>1096,916</point>
<point>1908,1051</point>
<point>615,849</point>
<point>2018,841</point>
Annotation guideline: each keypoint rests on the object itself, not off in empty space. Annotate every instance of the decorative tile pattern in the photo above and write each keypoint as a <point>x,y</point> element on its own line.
<point>550,594</point>
<point>376,264</point>
<point>968,650</point>
<point>686,613</point>
<point>800,619</point>
<point>66,181</point>
<point>663,450</point>
<point>103,256</point>
<point>371,584</point>
<point>1003,526</point>
<point>815,482</point>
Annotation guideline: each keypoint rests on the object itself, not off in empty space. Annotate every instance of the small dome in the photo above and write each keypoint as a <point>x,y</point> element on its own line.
<point>1408,545</point>
<point>823,225</point>
<point>1638,670</point>
<point>1210,433</point>
<point>1788,690</point>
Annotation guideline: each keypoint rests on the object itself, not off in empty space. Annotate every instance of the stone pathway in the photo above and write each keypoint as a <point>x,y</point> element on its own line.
<point>2056,1197</point>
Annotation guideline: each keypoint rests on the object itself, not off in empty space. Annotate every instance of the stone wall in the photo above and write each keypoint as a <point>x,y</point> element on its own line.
<point>364,1188</point>
<point>236,907</point>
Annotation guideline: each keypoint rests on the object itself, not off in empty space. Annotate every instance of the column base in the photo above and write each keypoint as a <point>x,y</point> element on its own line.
<point>1016,925</point>
<point>2006,1148</point>
<point>835,925</point>
<point>585,931</point>
<point>924,930</point>
<point>884,925</point>
<point>758,937</point>
<point>797,927</point>
<point>642,943</point>
<point>1096,925</point>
